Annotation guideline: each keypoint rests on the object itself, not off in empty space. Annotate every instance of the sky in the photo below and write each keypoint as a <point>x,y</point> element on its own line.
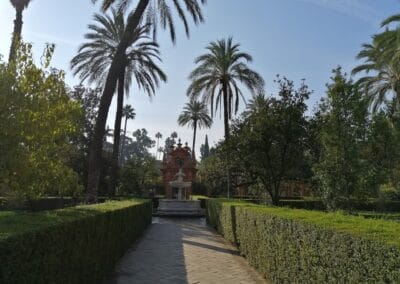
<point>299,39</point>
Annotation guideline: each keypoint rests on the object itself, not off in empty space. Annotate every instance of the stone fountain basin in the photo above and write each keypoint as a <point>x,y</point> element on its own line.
<point>175,207</point>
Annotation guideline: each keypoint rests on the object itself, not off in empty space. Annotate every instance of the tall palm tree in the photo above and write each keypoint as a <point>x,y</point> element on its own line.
<point>158,12</point>
<point>158,136</point>
<point>195,114</point>
<point>385,73</point>
<point>129,113</point>
<point>217,76</point>
<point>19,6</point>
<point>94,59</point>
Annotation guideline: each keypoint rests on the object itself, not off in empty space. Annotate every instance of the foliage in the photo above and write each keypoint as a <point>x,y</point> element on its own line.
<point>267,144</point>
<point>217,75</point>
<point>205,149</point>
<point>195,114</point>
<point>138,175</point>
<point>140,170</point>
<point>309,246</point>
<point>340,169</point>
<point>381,71</point>
<point>74,245</point>
<point>38,122</point>
<point>212,174</point>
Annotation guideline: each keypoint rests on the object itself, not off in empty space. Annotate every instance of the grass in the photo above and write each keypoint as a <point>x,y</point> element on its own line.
<point>17,222</point>
<point>197,197</point>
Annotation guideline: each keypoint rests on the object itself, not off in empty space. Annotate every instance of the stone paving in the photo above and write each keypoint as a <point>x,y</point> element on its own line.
<point>182,251</point>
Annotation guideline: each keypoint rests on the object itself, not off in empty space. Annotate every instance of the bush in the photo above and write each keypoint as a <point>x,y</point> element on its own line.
<point>73,245</point>
<point>289,245</point>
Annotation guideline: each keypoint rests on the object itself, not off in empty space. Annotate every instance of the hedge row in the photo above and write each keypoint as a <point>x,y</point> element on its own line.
<point>358,205</point>
<point>300,246</point>
<point>74,245</point>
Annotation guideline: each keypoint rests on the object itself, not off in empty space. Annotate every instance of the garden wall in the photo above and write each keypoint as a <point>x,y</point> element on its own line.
<point>74,245</point>
<point>300,246</point>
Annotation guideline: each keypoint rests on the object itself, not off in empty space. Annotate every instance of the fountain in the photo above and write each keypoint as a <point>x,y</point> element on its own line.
<point>180,206</point>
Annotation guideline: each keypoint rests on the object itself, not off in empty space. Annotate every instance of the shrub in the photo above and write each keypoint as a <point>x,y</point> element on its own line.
<point>73,245</point>
<point>290,245</point>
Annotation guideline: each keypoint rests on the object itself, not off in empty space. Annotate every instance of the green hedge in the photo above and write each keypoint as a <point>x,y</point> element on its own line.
<point>300,246</point>
<point>74,245</point>
<point>358,205</point>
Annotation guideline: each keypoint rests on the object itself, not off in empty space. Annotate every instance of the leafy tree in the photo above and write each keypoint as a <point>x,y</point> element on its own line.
<point>268,146</point>
<point>139,174</point>
<point>155,10</point>
<point>95,57</point>
<point>88,99</point>
<point>212,174</point>
<point>217,76</point>
<point>19,6</point>
<point>38,121</point>
<point>195,114</point>
<point>340,169</point>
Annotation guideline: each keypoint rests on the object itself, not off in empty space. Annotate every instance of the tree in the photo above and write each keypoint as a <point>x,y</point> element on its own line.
<point>19,6</point>
<point>154,10</point>
<point>267,147</point>
<point>158,137</point>
<point>340,169</point>
<point>195,114</point>
<point>378,60</point>
<point>205,149</point>
<point>129,113</point>
<point>217,76</point>
<point>38,121</point>
<point>94,59</point>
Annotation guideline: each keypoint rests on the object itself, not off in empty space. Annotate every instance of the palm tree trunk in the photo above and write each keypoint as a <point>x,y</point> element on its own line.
<point>16,36</point>
<point>117,136</point>
<point>194,137</point>
<point>106,98</point>
<point>123,141</point>
<point>226,116</point>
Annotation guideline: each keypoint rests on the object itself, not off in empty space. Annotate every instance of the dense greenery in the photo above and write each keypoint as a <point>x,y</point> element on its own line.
<point>309,246</point>
<point>76,245</point>
<point>38,121</point>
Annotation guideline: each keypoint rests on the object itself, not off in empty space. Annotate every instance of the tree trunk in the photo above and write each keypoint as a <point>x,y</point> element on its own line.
<point>226,126</point>
<point>16,36</point>
<point>226,115</point>
<point>194,139</point>
<point>109,88</point>
<point>117,136</point>
<point>123,141</point>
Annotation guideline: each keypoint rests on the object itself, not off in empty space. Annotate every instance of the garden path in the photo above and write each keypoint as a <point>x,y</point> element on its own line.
<point>182,251</point>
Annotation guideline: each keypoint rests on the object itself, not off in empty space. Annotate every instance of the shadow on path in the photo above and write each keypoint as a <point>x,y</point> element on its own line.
<point>182,250</point>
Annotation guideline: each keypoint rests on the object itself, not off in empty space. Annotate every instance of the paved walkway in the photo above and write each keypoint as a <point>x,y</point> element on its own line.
<point>182,251</point>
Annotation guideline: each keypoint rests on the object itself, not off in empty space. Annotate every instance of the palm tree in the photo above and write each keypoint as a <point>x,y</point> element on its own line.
<point>195,114</point>
<point>158,12</point>
<point>217,76</point>
<point>385,77</point>
<point>94,59</point>
<point>256,104</point>
<point>129,113</point>
<point>19,6</point>
<point>158,136</point>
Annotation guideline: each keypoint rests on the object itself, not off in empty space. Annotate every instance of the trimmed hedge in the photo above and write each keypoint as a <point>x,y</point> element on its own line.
<point>358,205</point>
<point>74,245</point>
<point>300,246</point>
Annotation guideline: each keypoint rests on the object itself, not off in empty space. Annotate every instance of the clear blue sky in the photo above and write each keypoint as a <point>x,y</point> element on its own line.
<point>295,38</point>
